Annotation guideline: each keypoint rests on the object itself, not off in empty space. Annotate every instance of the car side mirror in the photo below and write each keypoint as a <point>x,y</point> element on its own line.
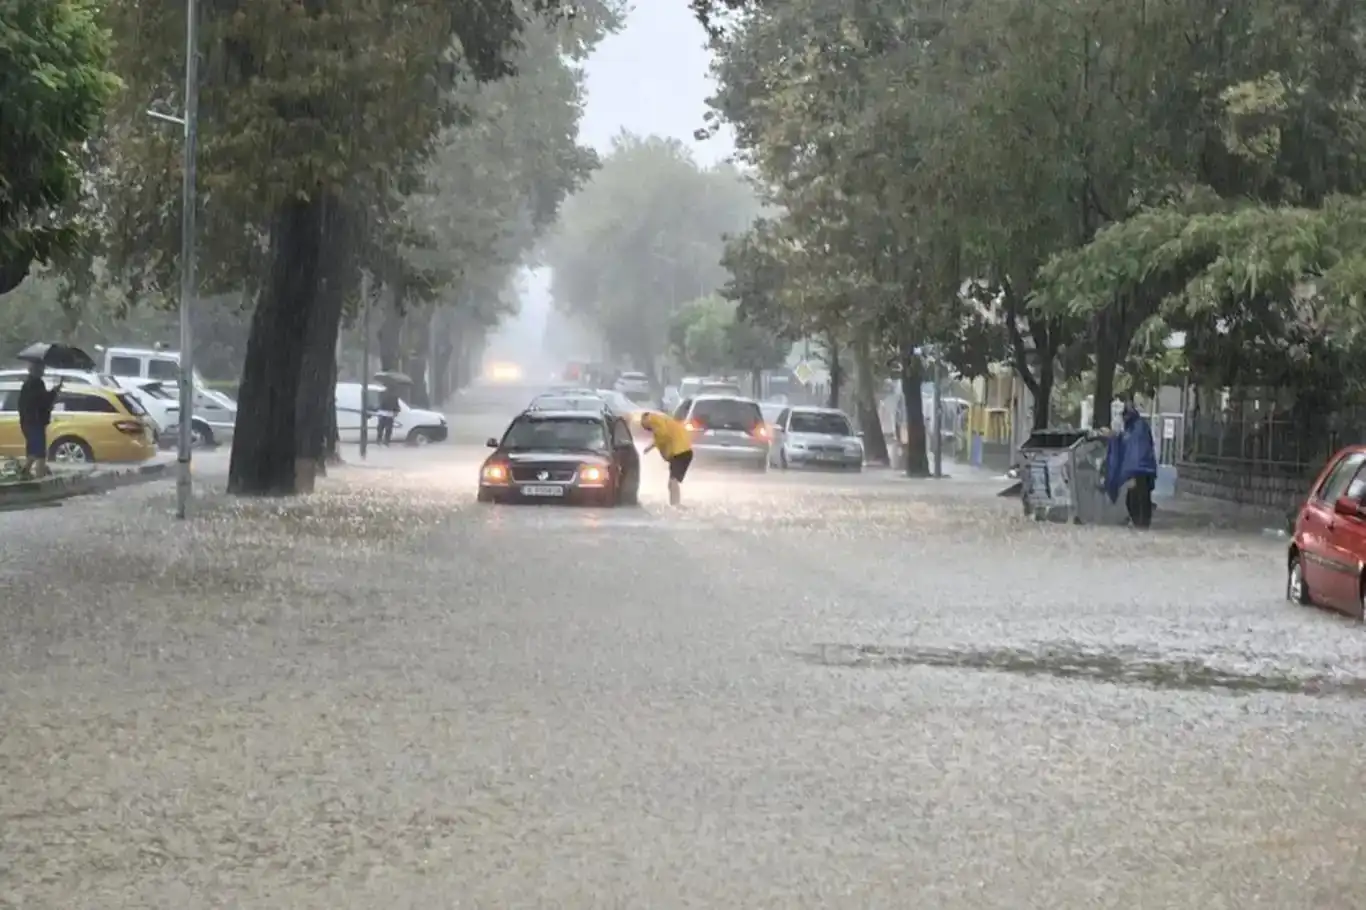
<point>1347,506</point>
<point>491,443</point>
<point>860,434</point>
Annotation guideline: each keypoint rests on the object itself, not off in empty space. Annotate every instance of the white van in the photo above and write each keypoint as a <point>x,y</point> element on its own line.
<point>215,414</point>
<point>414,426</point>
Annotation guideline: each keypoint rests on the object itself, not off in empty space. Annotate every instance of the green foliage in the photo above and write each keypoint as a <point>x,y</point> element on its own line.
<point>710,335</point>
<point>644,236</point>
<point>54,84</point>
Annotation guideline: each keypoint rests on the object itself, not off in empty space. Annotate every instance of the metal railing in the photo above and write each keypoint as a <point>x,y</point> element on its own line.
<point>1268,443</point>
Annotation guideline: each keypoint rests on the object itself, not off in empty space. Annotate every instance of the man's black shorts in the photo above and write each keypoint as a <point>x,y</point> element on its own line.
<point>678,466</point>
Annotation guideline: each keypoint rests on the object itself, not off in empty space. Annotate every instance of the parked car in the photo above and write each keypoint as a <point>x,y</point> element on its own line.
<point>578,456</point>
<point>817,438</point>
<point>166,419</point>
<point>89,424</point>
<point>726,431</point>
<point>415,426</point>
<point>215,414</point>
<point>1326,562</point>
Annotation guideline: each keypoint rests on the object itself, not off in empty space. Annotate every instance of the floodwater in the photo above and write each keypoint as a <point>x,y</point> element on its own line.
<point>799,690</point>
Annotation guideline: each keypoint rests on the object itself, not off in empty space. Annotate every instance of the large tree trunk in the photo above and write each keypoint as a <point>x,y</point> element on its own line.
<point>317,411</point>
<point>1107,358</point>
<point>912,377</point>
<point>416,342</point>
<point>874,444</point>
<point>264,450</point>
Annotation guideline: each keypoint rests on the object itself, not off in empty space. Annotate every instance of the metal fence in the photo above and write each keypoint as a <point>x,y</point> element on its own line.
<point>1269,443</point>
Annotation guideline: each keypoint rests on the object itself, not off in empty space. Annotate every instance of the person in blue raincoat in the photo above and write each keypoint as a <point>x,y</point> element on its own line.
<point>1131,465</point>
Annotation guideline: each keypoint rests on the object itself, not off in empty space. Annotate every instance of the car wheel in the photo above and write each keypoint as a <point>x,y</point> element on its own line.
<point>1296,591</point>
<point>484,496</point>
<point>630,495</point>
<point>70,450</point>
<point>201,435</point>
<point>419,438</point>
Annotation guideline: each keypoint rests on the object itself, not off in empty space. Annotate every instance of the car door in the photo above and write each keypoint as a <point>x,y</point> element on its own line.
<point>625,453</point>
<point>779,432</point>
<point>684,406</point>
<point>1324,570</point>
<point>1347,540</point>
<point>11,436</point>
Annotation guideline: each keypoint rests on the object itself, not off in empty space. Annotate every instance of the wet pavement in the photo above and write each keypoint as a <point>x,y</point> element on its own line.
<point>797,691</point>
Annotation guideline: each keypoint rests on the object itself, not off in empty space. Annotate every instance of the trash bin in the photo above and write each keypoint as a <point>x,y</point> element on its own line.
<point>1062,478</point>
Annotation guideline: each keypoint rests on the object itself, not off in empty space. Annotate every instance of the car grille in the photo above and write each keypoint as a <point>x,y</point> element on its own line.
<point>532,474</point>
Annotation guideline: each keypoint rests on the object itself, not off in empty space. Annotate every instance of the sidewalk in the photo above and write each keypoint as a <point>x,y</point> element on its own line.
<point>67,481</point>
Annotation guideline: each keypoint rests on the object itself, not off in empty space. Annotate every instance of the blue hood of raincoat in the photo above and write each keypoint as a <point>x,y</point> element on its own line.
<point>1130,453</point>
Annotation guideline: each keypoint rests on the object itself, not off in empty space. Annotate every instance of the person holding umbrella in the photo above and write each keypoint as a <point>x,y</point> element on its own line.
<point>35,413</point>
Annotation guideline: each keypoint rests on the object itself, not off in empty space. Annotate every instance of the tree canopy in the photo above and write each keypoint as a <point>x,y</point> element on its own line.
<point>1098,174</point>
<point>644,236</point>
<point>54,84</point>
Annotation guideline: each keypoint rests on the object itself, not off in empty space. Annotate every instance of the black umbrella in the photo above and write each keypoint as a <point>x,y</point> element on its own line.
<point>57,356</point>
<point>389,377</point>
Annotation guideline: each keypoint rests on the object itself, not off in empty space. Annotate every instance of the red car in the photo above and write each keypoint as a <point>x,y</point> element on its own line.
<point>1327,559</point>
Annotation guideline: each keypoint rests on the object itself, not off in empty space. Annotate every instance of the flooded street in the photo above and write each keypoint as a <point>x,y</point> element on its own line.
<point>799,690</point>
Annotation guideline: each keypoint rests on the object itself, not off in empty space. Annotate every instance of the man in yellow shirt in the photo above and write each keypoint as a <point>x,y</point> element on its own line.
<point>674,442</point>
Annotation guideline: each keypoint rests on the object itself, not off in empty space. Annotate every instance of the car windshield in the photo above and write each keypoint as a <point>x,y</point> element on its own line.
<point>820,422</point>
<point>555,433</point>
<point>726,414</point>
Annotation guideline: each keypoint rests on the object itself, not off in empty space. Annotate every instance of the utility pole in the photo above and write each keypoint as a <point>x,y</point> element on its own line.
<point>188,285</point>
<point>364,362</point>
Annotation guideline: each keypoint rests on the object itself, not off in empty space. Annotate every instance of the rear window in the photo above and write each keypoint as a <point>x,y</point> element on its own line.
<point>568,404</point>
<point>163,369</point>
<point>726,414</point>
<point>125,366</point>
<point>719,390</point>
<point>85,404</point>
<point>818,422</point>
<point>131,405</point>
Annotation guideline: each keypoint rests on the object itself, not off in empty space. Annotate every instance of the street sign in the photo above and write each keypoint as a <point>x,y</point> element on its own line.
<point>1168,428</point>
<point>804,373</point>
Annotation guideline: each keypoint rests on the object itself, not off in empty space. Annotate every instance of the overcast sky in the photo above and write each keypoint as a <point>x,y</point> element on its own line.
<point>651,77</point>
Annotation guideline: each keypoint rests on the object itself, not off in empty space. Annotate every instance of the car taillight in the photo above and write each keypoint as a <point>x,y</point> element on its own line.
<point>131,427</point>
<point>495,473</point>
<point>760,431</point>
<point>692,426</point>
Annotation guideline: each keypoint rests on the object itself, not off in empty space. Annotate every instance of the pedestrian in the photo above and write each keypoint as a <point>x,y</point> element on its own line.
<point>674,442</point>
<point>35,413</point>
<point>1131,465</point>
<point>388,410</point>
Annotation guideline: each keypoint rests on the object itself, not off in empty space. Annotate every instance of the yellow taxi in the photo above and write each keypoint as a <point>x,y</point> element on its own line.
<point>89,424</point>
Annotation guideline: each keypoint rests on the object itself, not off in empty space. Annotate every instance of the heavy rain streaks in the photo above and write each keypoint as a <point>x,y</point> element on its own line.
<point>388,691</point>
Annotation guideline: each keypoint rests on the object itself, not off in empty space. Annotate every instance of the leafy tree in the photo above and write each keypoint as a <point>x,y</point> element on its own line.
<point>644,236</point>
<point>54,84</point>
<point>313,114</point>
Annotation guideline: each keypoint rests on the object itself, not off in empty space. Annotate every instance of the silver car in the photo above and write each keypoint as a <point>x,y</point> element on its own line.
<point>726,431</point>
<point>816,437</point>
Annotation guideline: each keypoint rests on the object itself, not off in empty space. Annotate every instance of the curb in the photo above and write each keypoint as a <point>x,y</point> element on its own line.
<point>56,488</point>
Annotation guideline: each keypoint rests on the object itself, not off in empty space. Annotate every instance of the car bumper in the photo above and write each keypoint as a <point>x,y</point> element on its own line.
<point>808,459</point>
<point>437,433</point>
<point>516,493</point>
<point>730,456</point>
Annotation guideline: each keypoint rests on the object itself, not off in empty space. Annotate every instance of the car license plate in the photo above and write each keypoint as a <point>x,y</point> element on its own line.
<point>543,491</point>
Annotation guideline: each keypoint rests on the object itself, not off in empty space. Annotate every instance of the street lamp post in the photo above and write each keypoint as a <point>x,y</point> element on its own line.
<point>190,123</point>
<point>364,363</point>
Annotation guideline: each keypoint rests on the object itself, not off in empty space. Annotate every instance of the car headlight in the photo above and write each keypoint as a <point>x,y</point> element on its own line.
<point>592,476</point>
<point>796,445</point>
<point>495,474</point>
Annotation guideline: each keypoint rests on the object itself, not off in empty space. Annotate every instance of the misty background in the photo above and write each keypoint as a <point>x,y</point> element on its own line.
<point>668,97</point>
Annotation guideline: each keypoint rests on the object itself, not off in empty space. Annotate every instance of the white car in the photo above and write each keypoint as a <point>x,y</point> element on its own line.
<point>415,426</point>
<point>635,386</point>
